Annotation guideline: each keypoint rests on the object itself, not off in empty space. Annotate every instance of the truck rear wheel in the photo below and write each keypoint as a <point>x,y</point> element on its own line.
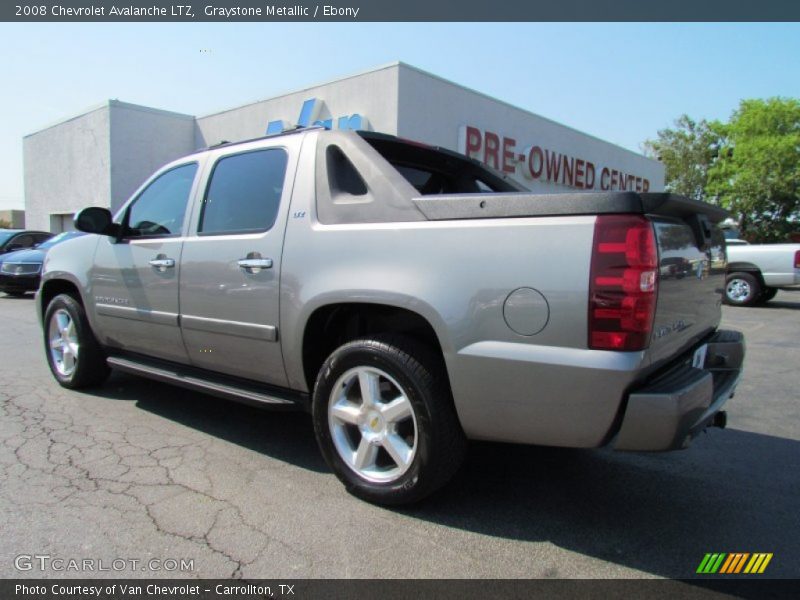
<point>385,421</point>
<point>73,354</point>
<point>768,294</point>
<point>742,289</point>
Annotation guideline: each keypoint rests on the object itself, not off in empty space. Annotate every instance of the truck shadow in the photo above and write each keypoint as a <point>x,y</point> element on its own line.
<point>732,491</point>
<point>775,304</point>
<point>285,435</point>
<point>785,299</point>
<point>6,298</point>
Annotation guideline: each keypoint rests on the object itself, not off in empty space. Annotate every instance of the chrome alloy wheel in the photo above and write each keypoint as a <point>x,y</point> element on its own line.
<point>738,290</point>
<point>372,424</point>
<point>64,345</point>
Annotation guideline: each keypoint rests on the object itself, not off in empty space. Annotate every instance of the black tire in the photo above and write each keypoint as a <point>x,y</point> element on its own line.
<point>440,444</point>
<point>742,289</point>
<point>90,367</point>
<point>767,294</point>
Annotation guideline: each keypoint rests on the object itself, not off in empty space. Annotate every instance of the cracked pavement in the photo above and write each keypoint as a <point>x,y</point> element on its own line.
<point>140,470</point>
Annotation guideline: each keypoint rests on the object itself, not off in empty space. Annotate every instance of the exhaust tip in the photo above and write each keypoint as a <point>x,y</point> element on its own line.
<point>720,419</point>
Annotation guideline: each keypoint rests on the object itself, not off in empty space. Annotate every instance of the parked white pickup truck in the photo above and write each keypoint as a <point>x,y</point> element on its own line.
<point>756,272</point>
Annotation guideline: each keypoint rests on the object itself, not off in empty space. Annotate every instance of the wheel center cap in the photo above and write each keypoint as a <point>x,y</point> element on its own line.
<point>373,422</point>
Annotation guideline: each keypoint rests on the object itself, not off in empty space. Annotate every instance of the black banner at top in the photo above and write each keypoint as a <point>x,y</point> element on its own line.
<point>398,10</point>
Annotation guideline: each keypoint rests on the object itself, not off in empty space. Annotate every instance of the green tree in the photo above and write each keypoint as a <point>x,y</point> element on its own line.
<point>5,224</point>
<point>687,151</point>
<point>757,172</point>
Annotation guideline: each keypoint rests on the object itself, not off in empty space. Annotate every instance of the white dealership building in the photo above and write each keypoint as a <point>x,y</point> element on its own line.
<point>101,156</point>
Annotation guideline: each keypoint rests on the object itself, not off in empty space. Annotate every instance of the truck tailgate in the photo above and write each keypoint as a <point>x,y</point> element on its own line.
<point>690,286</point>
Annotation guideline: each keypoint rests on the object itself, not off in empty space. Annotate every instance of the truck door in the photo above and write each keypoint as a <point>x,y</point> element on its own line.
<point>230,272</point>
<point>135,281</point>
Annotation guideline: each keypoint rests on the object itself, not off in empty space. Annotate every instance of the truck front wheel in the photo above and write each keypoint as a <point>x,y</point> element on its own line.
<point>385,421</point>
<point>73,354</point>
<point>742,289</point>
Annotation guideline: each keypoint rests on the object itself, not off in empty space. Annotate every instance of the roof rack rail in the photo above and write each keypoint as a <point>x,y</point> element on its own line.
<point>225,143</point>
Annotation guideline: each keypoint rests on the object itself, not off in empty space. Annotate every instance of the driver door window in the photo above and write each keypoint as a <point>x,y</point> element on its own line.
<point>160,208</point>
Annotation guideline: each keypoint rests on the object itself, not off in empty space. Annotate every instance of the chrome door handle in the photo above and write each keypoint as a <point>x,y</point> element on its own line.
<point>162,264</point>
<point>254,265</point>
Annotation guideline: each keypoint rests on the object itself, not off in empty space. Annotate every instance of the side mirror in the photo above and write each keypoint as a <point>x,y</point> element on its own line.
<point>96,220</point>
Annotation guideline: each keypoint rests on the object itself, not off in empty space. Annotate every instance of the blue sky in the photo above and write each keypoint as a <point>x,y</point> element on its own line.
<point>619,82</point>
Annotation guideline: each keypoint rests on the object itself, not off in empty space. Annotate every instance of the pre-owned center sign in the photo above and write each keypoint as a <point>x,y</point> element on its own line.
<point>539,163</point>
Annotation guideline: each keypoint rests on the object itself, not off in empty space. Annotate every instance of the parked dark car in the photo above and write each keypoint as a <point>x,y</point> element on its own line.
<point>21,271</point>
<point>676,266</point>
<point>21,239</point>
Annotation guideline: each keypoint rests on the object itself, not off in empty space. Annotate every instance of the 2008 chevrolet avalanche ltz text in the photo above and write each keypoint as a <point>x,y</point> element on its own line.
<point>408,297</point>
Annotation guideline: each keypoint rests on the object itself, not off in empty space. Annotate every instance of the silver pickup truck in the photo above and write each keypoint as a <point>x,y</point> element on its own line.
<point>408,297</point>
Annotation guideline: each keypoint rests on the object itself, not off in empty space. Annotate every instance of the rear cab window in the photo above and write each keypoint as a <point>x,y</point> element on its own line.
<point>433,170</point>
<point>244,193</point>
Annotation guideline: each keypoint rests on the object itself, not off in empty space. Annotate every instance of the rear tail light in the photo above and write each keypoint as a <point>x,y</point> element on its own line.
<point>797,260</point>
<point>623,286</point>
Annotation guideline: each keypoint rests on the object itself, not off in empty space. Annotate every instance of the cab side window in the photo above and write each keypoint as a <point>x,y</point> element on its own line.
<point>160,208</point>
<point>244,193</point>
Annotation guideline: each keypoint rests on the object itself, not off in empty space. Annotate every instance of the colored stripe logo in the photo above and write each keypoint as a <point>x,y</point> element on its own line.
<point>733,563</point>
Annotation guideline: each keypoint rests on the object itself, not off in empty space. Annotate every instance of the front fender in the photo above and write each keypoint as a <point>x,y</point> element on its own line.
<point>69,262</point>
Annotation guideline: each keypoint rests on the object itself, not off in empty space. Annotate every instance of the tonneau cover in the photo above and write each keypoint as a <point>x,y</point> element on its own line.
<point>503,205</point>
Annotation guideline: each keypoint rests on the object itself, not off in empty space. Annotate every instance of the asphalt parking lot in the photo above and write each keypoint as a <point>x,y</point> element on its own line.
<point>141,470</point>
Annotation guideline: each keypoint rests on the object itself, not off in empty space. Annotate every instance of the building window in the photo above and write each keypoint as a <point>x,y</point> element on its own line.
<point>61,222</point>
